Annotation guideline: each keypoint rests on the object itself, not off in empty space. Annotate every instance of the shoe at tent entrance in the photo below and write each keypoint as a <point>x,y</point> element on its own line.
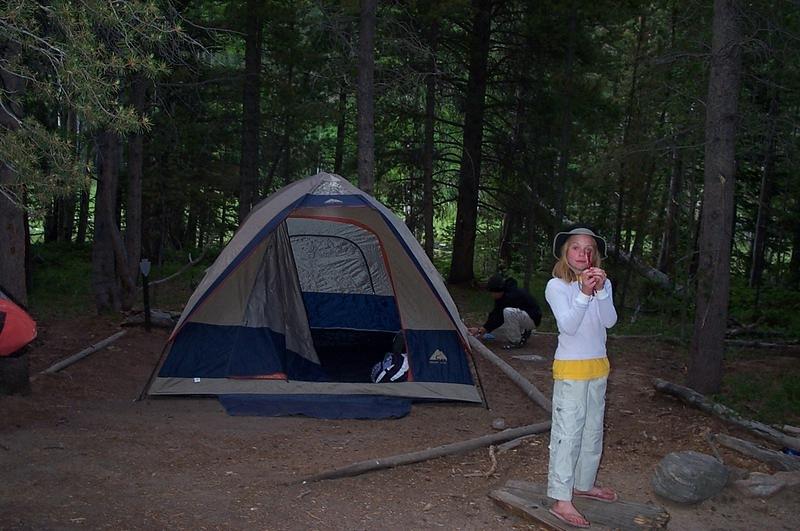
<point>319,283</point>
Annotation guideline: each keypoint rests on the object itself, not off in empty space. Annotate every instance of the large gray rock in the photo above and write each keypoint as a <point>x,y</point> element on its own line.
<point>689,477</point>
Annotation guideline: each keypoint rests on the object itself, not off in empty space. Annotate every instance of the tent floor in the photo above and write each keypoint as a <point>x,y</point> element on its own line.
<point>349,355</point>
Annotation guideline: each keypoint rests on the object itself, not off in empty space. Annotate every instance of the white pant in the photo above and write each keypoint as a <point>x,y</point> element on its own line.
<point>576,435</point>
<point>515,321</point>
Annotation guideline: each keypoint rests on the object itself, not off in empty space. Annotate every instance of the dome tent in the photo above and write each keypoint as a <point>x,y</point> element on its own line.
<point>314,288</point>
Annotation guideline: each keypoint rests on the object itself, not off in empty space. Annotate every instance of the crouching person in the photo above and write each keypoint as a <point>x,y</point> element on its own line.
<point>515,314</point>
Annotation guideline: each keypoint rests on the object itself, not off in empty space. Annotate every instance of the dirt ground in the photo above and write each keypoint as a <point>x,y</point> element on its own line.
<point>81,453</point>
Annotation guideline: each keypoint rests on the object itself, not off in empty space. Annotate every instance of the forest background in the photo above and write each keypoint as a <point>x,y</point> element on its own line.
<point>144,129</point>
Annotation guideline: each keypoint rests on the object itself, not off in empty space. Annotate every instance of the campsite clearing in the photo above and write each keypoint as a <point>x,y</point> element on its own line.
<point>81,453</point>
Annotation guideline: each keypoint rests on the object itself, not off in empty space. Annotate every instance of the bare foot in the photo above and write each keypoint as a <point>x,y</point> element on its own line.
<point>606,494</point>
<point>567,513</point>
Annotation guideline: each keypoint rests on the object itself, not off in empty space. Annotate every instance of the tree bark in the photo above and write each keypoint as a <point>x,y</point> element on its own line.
<point>759,243</point>
<point>428,147</point>
<point>133,206</point>
<point>341,124</point>
<point>251,110</point>
<point>713,274</point>
<point>13,239</point>
<point>794,261</point>
<point>631,121</point>
<point>566,110</point>
<point>105,278</point>
<point>461,265</point>
<point>366,95</point>
<point>669,236</point>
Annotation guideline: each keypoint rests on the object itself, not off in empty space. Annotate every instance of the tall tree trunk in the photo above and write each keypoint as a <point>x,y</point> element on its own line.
<point>251,110</point>
<point>133,210</point>
<point>366,95</point>
<point>83,217</point>
<point>428,148</point>
<point>13,239</point>
<point>66,219</point>
<point>759,243</point>
<point>461,265</point>
<point>639,226</point>
<point>713,274</point>
<point>566,110</point>
<point>341,124</point>
<point>105,277</point>
<point>794,261</point>
<point>508,229</point>
<point>631,115</point>
<point>669,236</point>
<point>50,228</point>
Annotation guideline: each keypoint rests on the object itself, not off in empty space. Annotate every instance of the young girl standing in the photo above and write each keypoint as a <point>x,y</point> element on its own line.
<point>580,296</point>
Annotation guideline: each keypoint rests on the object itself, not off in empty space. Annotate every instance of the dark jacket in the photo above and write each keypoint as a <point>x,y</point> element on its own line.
<point>513,297</point>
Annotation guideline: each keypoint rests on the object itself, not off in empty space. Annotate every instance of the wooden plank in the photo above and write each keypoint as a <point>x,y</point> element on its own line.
<point>527,509</point>
<point>623,515</point>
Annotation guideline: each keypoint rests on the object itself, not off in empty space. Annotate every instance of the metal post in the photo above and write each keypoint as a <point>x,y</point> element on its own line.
<point>144,267</point>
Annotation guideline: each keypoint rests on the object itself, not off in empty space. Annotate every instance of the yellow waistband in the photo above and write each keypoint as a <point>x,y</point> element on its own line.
<point>580,369</point>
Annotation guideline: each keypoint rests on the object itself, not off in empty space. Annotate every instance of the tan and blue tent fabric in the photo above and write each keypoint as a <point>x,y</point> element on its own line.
<point>315,287</point>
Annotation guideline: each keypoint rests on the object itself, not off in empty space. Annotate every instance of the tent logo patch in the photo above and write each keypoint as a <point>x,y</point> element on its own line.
<point>438,357</point>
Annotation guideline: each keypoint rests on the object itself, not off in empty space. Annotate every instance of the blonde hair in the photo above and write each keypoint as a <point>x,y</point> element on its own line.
<point>562,269</point>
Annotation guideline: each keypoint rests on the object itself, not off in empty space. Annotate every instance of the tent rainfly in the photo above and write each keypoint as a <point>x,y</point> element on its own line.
<point>316,286</point>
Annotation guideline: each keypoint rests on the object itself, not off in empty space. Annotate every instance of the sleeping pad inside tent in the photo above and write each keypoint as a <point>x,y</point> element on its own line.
<point>317,286</point>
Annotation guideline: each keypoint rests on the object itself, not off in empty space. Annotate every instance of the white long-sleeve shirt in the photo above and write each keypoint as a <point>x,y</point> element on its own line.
<point>582,319</point>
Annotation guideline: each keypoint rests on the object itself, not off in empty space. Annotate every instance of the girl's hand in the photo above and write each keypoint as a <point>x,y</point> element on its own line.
<point>592,280</point>
<point>600,275</point>
<point>588,282</point>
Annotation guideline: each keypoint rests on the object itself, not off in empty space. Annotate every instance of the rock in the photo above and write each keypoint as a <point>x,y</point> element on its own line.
<point>499,423</point>
<point>689,477</point>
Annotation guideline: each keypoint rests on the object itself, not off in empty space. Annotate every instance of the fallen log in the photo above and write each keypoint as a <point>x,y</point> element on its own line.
<point>510,445</point>
<point>693,398</point>
<point>158,318</point>
<point>531,391</point>
<point>777,460</point>
<point>754,343</point>
<point>380,463</point>
<point>764,485</point>
<point>791,429</point>
<point>82,354</point>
